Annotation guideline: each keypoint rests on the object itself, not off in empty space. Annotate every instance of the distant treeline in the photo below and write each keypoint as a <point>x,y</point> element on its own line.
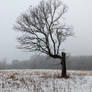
<point>43,62</point>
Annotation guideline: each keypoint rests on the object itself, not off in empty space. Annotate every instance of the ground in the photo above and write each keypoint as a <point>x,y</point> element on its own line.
<point>44,81</point>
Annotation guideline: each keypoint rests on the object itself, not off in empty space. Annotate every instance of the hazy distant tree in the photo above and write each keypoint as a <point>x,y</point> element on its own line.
<point>44,30</point>
<point>3,63</point>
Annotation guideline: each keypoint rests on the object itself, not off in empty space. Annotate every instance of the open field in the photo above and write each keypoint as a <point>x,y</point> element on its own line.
<point>44,81</point>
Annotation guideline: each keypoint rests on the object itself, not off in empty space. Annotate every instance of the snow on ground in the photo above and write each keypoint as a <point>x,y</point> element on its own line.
<point>44,81</point>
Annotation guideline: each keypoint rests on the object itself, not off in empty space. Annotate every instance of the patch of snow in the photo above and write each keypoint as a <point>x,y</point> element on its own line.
<point>44,81</point>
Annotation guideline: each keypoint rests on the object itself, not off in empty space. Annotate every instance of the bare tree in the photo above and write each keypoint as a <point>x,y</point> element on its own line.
<point>44,30</point>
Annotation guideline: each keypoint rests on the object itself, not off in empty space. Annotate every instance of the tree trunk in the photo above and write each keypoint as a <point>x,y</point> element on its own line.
<point>63,62</point>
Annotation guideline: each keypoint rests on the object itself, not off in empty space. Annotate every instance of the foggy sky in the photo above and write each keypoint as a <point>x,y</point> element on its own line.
<point>79,16</point>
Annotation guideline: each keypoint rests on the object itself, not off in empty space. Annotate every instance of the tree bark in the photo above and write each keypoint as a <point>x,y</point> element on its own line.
<point>63,62</point>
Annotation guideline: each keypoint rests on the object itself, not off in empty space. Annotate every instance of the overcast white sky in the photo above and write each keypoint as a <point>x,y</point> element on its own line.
<point>79,16</point>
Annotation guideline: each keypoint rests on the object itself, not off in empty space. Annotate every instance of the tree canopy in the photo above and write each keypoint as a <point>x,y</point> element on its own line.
<point>43,28</point>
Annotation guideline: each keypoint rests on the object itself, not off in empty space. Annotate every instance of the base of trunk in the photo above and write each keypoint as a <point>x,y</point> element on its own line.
<point>66,76</point>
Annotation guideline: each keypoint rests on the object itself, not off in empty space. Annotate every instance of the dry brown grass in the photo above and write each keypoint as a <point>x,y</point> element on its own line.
<point>35,78</point>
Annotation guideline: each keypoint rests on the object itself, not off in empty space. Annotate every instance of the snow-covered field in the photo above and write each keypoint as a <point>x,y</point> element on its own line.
<point>44,81</point>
